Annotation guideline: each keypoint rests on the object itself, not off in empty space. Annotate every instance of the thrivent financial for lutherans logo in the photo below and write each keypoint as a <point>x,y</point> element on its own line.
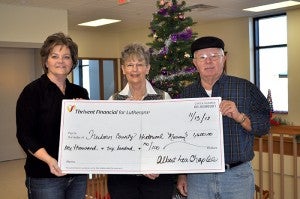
<point>70,108</point>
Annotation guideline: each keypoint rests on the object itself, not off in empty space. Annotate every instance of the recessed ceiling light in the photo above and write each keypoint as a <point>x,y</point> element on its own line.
<point>273,6</point>
<point>99,22</point>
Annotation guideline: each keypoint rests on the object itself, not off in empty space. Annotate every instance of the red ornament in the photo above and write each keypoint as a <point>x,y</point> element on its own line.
<point>273,122</point>
<point>181,16</point>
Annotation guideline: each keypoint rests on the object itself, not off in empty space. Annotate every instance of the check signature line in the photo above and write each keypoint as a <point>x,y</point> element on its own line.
<point>187,143</point>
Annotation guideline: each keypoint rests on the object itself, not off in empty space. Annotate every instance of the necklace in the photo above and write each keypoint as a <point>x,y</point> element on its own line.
<point>138,92</point>
<point>131,97</point>
<point>136,97</point>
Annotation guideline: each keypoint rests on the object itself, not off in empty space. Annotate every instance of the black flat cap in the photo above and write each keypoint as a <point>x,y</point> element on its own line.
<point>207,42</point>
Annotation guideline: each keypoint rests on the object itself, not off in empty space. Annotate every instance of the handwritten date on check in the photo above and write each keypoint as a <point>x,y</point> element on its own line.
<point>138,137</point>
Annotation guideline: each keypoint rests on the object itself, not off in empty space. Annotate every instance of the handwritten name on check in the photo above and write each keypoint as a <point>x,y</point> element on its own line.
<point>138,137</point>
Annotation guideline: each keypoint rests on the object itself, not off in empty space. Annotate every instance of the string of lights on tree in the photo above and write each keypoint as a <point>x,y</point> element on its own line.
<point>171,64</point>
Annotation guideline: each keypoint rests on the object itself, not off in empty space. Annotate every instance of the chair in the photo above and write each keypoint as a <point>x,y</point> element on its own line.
<point>265,193</point>
<point>97,187</point>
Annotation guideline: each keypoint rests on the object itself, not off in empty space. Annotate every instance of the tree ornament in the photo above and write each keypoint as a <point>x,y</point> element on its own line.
<point>181,16</point>
<point>162,2</point>
<point>186,55</point>
<point>169,4</point>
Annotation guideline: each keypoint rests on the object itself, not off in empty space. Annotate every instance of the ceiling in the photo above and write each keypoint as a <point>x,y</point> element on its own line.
<point>137,13</point>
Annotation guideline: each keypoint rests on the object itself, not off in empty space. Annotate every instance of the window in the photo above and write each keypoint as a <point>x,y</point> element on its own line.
<point>98,76</point>
<point>270,45</point>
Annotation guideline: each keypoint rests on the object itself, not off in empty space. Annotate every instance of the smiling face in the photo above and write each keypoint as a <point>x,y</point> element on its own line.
<point>59,61</point>
<point>209,63</point>
<point>135,70</point>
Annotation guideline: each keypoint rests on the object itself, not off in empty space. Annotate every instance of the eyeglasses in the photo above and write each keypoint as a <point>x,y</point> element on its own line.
<point>131,65</point>
<point>211,56</point>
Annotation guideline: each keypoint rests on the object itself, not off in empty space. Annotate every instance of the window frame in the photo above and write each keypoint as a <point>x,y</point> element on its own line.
<point>257,48</point>
<point>101,73</point>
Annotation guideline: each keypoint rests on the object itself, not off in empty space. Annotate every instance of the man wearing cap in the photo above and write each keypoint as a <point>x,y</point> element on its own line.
<point>245,113</point>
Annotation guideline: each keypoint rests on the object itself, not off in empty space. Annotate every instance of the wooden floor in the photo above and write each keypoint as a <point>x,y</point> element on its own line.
<point>12,179</point>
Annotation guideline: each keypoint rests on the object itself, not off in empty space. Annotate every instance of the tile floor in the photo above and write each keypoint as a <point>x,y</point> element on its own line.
<point>12,178</point>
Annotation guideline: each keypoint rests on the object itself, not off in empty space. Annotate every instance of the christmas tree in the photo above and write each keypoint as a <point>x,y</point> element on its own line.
<point>269,98</point>
<point>171,64</point>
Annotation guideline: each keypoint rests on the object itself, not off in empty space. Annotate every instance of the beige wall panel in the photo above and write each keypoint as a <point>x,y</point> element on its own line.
<point>29,26</point>
<point>17,70</point>
<point>294,66</point>
<point>96,44</point>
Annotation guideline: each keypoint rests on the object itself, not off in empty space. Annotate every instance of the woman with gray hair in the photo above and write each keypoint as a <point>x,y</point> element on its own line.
<point>135,63</point>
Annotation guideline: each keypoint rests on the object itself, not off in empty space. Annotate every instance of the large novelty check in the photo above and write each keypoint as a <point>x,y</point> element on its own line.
<point>138,137</point>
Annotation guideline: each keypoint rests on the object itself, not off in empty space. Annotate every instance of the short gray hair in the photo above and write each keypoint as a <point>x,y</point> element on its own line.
<point>135,50</point>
